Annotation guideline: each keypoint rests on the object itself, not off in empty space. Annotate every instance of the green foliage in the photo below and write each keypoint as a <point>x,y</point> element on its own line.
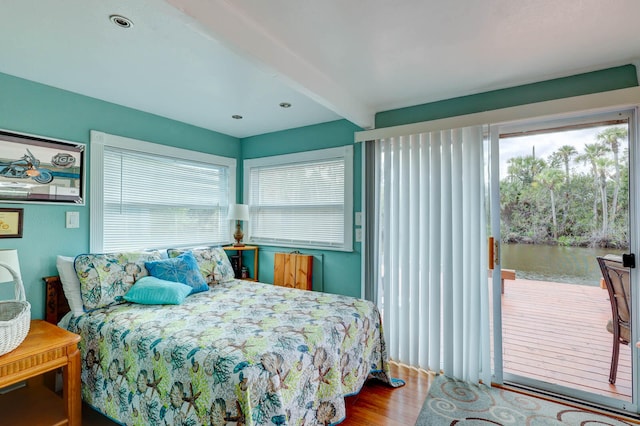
<point>548,201</point>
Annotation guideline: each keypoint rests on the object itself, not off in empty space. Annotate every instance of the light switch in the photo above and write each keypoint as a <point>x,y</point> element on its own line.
<point>358,218</point>
<point>73,219</point>
<point>358,235</point>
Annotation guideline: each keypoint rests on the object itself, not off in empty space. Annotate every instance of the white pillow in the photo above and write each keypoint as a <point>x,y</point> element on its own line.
<point>70,284</point>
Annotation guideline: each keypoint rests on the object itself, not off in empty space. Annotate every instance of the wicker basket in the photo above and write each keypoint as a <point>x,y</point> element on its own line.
<point>15,317</point>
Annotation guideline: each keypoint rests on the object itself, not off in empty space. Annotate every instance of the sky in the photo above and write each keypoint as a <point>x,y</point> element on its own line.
<point>545,145</point>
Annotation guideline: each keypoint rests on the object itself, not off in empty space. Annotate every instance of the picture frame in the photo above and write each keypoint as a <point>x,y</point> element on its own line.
<point>34,169</point>
<point>11,223</point>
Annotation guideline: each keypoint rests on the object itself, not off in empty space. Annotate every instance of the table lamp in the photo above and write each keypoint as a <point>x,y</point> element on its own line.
<point>238,212</point>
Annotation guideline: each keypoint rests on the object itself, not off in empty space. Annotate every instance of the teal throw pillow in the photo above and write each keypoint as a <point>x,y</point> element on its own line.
<point>212,261</point>
<point>154,291</point>
<point>183,269</point>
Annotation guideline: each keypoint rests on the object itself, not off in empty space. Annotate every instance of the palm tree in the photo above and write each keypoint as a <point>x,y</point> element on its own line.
<point>602,164</point>
<point>593,155</point>
<point>563,155</point>
<point>611,137</point>
<point>551,179</point>
<point>525,169</point>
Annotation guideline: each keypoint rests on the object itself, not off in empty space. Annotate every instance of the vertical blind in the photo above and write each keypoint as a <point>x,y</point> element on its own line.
<point>430,230</point>
<point>299,203</point>
<point>155,201</point>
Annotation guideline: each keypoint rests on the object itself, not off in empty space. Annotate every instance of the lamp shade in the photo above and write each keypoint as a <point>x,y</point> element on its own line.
<point>10,258</point>
<point>238,212</point>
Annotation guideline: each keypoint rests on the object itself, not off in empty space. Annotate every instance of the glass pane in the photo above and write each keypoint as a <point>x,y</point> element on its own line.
<point>564,200</point>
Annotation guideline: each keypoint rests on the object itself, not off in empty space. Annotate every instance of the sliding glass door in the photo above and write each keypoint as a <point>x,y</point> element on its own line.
<point>563,193</point>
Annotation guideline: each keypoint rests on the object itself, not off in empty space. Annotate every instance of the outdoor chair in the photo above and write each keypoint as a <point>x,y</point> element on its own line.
<point>616,278</point>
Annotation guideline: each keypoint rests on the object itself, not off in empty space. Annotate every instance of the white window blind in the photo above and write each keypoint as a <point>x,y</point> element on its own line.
<point>302,200</point>
<point>150,200</point>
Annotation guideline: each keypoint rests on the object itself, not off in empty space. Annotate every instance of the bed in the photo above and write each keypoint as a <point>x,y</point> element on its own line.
<point>240,353</point>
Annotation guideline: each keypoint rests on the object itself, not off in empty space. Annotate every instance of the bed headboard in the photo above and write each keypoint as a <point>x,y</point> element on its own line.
<point>56,305</point>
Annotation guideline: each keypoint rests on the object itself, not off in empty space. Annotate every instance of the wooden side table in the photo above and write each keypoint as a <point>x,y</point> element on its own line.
<point>241,250</point>
<point>46,347</point>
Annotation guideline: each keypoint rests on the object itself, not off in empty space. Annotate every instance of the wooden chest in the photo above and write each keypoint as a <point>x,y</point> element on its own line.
<point>293,270</point>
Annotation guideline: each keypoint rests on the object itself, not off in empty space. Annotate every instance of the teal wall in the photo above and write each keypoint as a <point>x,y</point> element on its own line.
<point>34,108</point>
<point>334,271</point>
<point>49,112</point>
<point>581,84</point>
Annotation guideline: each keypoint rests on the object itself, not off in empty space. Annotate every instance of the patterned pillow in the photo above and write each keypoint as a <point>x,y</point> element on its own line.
<point>182,269</point>
<point>105,278</point>
<point>212,261</point>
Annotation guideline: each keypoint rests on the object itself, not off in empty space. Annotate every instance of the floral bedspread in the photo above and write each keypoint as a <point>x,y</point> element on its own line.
<point>240,353</point>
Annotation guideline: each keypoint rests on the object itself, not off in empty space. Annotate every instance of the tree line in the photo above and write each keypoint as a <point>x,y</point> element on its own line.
<point>549,201</point>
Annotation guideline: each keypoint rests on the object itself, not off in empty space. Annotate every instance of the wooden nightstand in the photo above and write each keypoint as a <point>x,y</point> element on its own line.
<point>240,250</point>
<point>46,348</point>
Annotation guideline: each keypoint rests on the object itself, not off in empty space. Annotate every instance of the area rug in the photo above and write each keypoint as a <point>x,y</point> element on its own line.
<point>452,402</point>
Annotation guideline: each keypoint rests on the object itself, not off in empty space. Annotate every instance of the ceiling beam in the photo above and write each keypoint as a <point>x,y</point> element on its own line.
<point>225,22</point>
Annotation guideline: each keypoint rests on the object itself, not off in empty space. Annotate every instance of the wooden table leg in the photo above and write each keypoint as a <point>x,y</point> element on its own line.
<point>71,387</point>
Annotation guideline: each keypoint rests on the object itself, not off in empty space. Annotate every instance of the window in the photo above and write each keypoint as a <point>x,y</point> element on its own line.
<point>146,195</point>
<point>301,200</point>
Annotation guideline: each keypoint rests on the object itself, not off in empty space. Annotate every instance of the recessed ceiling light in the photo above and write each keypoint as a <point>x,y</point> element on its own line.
<point>236,117</point>
<point>285,105</point>
<point>121,21</point>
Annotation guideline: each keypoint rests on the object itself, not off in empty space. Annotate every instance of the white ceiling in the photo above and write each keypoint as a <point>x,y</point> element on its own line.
<point>202,61</point>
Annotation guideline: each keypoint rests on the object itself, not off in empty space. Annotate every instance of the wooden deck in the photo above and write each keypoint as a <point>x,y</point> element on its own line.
<point>556,333</point>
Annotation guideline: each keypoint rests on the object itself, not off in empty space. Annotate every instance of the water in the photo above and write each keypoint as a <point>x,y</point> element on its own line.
<point>575,265</point>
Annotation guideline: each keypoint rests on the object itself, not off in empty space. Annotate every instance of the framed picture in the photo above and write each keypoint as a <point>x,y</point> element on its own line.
<point>11,223</point>
<point>39,170</point>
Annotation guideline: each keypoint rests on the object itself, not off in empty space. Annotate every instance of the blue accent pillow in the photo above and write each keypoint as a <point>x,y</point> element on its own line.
<point>154,291</point>
<point>183,269</point>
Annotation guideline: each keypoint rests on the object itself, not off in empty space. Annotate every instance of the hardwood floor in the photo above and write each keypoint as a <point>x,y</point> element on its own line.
<point>376,405</point>
<point>381,405</point>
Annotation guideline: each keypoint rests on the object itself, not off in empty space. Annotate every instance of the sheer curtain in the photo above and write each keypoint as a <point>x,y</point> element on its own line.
<point>429,257</point>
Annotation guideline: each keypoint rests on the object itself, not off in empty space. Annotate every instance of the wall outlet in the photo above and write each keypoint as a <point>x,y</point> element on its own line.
<point>358,235</point>
<point>73,220</point>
